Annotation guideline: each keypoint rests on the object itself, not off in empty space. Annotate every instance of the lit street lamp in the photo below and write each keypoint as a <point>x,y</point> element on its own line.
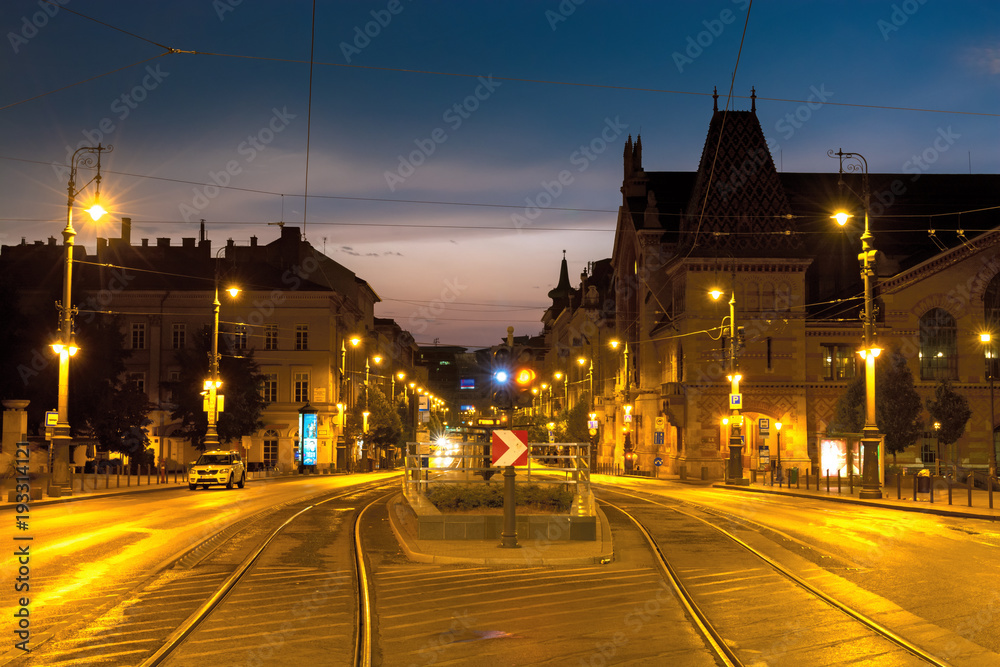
<point>735,475</point>
<point>65,344</point>
<point>777,428</point>
<point>870,437</point>
<point>214,382</point>
<point>990,373</point>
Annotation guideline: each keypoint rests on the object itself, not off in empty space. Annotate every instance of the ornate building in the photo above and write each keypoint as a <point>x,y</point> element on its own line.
<point>765,240</point>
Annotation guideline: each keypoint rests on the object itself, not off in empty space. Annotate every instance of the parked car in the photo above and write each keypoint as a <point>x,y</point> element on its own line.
<point>217,468</point>
<point>102,466</point>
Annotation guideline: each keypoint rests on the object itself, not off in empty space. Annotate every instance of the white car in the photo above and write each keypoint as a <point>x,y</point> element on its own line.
<point>217,467</point>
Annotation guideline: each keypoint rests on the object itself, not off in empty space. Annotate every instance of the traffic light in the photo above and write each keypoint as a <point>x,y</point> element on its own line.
<point>524,376</point>
<point>503,396</point>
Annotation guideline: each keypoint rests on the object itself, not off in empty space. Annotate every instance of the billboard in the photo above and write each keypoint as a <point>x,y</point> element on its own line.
<point>833,457</point>
<point>308,431</point>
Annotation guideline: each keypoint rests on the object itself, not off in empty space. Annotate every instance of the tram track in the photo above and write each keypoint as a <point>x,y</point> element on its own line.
<point>215,586</point>
<point>720,629</point>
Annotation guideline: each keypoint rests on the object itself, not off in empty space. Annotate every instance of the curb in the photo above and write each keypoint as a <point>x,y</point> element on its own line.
<point>517,555</point>
<point>868,503</point>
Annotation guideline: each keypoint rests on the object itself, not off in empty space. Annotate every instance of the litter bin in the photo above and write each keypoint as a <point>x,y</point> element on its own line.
<point>704,473</point>
<point>923,484</point>
<point>793,476</point>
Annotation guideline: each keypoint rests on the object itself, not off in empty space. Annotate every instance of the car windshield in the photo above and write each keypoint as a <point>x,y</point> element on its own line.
<point>214,459</point>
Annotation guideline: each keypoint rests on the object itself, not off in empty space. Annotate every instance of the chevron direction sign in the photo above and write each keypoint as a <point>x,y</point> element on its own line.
<point>509,448</point>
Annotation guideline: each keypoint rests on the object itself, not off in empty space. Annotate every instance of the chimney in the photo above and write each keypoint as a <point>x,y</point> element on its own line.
<point>163,242</point>
<point>187,243</point>
<point>52,240</point>
<point>127,231</point>
<point>253,241</point>
<point>145,243</point>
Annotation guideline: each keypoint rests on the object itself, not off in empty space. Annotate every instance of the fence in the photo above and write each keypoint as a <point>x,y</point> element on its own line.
<point>145,475</point>
<point>469,463</point>
<point>921,485</point>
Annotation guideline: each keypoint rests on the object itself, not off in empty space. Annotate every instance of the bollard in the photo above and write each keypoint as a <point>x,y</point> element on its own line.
<point>850,481</point>
<point>838,481</point>
<point>118,478</point>
<point>914,488</point>
<point>899,485</point>
<point>949,492</point>
<point>827,480</point>
<point>931,487</point>
<point>107,477</point>
<point>969,481</point>
<point>149,471</point>
<point>807,482</point>
<point>128,476</point>
<point>989,493</point>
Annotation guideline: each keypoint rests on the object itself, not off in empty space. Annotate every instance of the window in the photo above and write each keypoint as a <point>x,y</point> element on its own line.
<point>838,362</point>
<point>270,336</point>
<point>240,337</point>
<point>301,336</point>
<point>138,335</point>
<point>300,391</point>
<point>769,358</point>
<point>270,448</point>
<point>269,388</point>
<point>938,346</point>
<point>928,450</point>
<point>137,379</point>
<point>180,336</point>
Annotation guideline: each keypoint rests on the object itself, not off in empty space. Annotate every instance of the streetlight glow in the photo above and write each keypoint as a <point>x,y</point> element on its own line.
<point>841,217</point>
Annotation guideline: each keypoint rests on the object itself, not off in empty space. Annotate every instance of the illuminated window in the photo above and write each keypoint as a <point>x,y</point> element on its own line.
<point>938,346</point>
<point>240,337</point>
<point>269,388</point>
<point>270,448</point>
<point>839,362</point>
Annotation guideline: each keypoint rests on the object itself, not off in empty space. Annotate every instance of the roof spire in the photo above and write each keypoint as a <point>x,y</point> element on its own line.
<point>753,99</point>
<point>715,98</point>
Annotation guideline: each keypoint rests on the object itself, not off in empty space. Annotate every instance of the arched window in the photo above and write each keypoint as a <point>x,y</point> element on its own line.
<point>783,297</point>
<point>270,448</point>
<point>991,306</point>
<point>938,346</point>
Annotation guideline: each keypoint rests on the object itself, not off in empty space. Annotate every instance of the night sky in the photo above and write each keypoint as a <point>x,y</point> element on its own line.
<point>498,127</point>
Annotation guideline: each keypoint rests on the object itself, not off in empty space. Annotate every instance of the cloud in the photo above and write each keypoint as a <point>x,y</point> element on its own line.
<point>987,59</point>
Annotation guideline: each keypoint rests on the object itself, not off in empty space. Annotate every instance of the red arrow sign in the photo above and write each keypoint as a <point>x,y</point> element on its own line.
<point>509,448</point>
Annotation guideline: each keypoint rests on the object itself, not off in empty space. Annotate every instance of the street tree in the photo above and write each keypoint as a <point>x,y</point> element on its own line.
<point>951,410</point>
<point>384,425</point>
<point>897,405</point>
<point>241,381</point>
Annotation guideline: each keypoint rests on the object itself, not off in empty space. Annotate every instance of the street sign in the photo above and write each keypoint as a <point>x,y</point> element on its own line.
<point>764,457</point>
<point>51,418</point>
<point>657,461</point>
<point>423,403</point>
<point>658,437</point>
<point>764,426</point>
<point>592,424</point>
<point>735,401</point>
<point>661,422</point>
<point>509,448</point>
<point>628,417</point>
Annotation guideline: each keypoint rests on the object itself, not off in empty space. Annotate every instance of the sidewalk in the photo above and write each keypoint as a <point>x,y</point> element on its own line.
<point>959,506</point>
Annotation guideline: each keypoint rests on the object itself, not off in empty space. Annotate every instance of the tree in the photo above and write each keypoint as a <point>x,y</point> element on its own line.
<point>951,410</point>
<point>384,426</point>
<point>897,405</point>
<point>241,380</point>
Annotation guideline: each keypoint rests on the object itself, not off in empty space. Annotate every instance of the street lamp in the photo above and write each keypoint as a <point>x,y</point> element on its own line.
<point>214,382</point>
<point>735,475</point>
<point>65,344</point>
<point>990,373</point>
<point>870,436</point>
<point>777,428</point>
<point>937,448</point>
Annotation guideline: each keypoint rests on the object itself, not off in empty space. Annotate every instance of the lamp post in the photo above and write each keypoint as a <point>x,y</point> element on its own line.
<point>65,344</point>
<point>214,382</point>
<point>777,428</point>
<point>937,448</point>
<point>735,475</point>
<point>870,437</point>
<point>990,373</point>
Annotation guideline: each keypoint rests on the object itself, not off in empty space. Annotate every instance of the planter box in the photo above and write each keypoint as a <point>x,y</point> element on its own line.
<point>434,525</point>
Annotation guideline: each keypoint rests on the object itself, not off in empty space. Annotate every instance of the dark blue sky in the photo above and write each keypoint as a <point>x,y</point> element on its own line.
<point>642,66</point>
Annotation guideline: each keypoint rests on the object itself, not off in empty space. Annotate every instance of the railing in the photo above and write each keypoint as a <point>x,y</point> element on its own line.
<point>469,463</point>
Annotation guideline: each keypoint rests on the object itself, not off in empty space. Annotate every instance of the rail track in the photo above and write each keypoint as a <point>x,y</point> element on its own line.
<point>205,608</point>
<point>749,607</point>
